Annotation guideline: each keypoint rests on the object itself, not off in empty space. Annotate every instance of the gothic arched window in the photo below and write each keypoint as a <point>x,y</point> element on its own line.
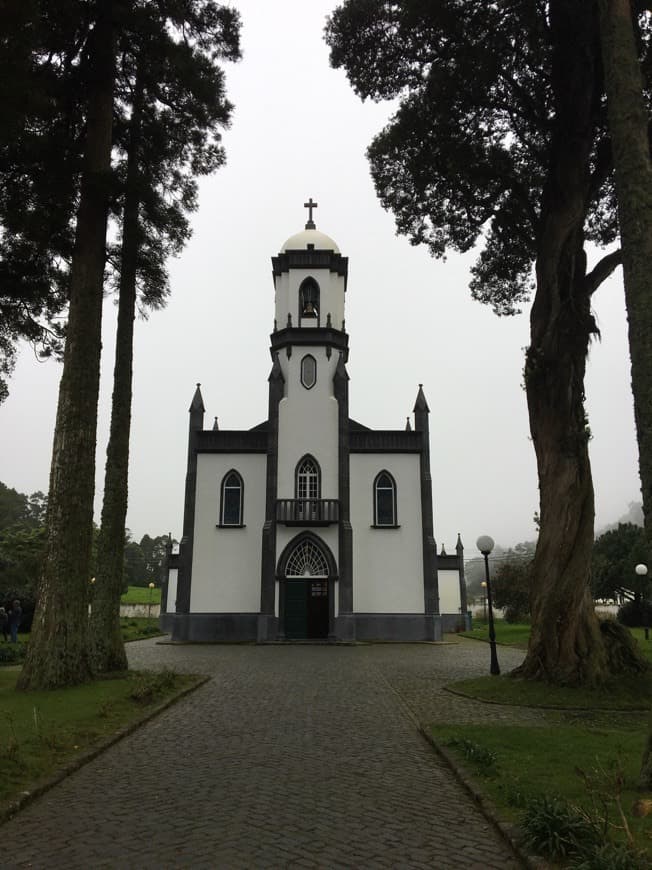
<point>384,500</point>
<point>232,491</point>
<point>309,300</point>
<point>308,479</point>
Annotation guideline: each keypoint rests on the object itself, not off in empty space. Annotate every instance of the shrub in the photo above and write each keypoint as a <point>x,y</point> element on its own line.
<point>557,830</point>
<point>10,653</point>
<point>148,686</point>
<point>635,613</point>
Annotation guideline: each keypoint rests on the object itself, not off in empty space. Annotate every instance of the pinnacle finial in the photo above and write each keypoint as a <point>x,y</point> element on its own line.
<point>421,404</point>
<point>215,425</point>
<point>408,425</point>
<point>197,403</point>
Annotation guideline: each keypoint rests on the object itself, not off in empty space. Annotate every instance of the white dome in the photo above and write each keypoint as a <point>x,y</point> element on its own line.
<point>319,241</point>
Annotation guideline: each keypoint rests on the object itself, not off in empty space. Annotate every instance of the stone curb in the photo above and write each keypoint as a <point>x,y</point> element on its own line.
<point>80,760</point>
<point>509,832</point>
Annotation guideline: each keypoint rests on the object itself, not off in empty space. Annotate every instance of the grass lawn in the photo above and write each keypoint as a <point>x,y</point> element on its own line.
<point>139,627</point>
<point>40,732</point>
<point>513,764</point>
<point>141,595</point>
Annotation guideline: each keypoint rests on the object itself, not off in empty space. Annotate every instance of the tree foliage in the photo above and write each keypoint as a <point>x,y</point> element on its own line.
<point>615,556</point>
<point>500,139</point>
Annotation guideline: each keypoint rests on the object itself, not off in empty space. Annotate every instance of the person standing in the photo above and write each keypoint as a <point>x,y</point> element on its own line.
<point>15,617</point>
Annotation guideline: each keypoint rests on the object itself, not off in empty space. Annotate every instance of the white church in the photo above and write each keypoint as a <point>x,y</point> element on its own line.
<point>310,525</point>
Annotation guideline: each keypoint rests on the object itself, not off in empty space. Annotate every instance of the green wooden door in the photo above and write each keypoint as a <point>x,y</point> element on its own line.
<point>296,608</point>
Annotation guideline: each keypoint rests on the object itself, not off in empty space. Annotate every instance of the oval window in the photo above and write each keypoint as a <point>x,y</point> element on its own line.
<point>308,371</point>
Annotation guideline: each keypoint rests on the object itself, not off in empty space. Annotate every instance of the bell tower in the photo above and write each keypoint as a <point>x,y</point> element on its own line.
<point>309,347</point>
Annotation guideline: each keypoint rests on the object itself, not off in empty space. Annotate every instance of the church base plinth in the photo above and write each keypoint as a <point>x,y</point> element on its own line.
<point>267,628</point>
<point>397,627</point>
<point>215,627</point>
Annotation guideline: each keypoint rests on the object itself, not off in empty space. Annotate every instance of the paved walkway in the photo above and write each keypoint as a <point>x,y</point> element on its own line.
<point>290,757</point>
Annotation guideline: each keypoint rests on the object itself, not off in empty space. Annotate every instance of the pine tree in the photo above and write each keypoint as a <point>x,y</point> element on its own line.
<point>172,90</point>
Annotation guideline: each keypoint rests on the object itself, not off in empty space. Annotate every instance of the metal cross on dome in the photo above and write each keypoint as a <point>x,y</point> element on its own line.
<point>310,205</point>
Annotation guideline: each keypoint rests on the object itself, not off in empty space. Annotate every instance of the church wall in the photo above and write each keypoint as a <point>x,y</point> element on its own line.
<point>331,297</point>
<point>308,422</point>
<point>387,563</point>
<point>449,591</point>
<point>226,562</point>
<point>172,590</point>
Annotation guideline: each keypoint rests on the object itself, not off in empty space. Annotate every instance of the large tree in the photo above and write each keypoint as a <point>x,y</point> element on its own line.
<point>171,90</point>
<point>628,111</point>
<point>500,137</point>
<point>58,652</point>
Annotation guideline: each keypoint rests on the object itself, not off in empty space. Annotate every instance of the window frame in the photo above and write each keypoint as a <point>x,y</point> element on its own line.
<point>223,487</point>
<point>303,383</point>
<point>297,470</point>
<point>393,489</point>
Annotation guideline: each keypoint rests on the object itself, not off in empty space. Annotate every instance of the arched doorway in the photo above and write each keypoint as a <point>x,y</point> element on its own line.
<point>306,572</point>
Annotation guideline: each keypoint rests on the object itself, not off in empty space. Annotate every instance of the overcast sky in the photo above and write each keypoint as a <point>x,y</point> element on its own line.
<point>299,131</point>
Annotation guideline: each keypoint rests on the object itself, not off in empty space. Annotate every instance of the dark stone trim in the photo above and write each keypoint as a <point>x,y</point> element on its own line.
<point>303,337</point>
<point>220,524</point>
<point>297,539</point>
<point>230,526</point>
<point>448,563</point>
<point>385,441</point>
<point>231,441</point>
<point>429,547</point>
<point>215,627</point>
<point>184,577</point>
<point>345,532</point>
<point>311,259</point>
<point>397,627</point>
<point>394,526</point>
<point>268,554</point>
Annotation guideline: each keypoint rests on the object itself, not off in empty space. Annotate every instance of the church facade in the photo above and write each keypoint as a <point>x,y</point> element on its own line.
<point>310,525</point>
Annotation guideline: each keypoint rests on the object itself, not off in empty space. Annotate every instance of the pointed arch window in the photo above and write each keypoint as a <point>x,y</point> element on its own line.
<point>308,478</point>
<point>385,500</point>
<point>309,371</point>
<point>309,301</point>
<point>231,499</point>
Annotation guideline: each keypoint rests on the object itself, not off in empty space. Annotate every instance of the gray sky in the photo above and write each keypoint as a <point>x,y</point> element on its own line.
<point>299,131</point>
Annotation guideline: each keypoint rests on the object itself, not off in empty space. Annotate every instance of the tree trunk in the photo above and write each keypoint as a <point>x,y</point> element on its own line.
<point>565,644</point>
<point>106,635</point>
<point>58,652</point>
<point>628,126</point>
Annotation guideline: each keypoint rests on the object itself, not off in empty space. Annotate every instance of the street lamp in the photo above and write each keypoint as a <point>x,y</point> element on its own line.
<point>486,544</point>
<point>484,600</point>
<point>149,609</point>
<point>641,570</point>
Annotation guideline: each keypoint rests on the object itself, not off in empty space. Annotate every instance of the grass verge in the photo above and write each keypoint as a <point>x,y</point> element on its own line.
<point>141,595</point>
<point>624,693</point>
<point>43,732</point>
<point>139,627</point>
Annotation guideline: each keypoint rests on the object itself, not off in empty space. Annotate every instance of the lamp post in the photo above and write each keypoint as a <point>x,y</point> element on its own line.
<point>641,570</point>
<point>484,600</point>
<point>149,607</point>
<point>486,544</point>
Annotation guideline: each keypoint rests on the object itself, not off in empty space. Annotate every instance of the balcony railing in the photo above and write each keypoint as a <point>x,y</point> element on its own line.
<point>307,511</point>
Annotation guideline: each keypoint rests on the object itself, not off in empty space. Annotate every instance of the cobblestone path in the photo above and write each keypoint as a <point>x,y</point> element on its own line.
<point>290,757</point>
